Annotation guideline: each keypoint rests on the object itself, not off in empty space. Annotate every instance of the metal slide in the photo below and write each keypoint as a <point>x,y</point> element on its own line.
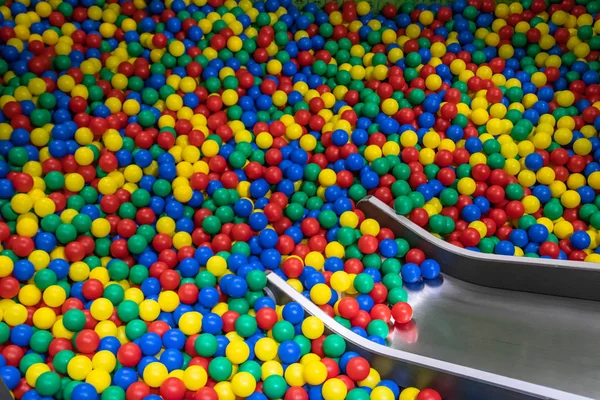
<point>488,328</point>
<point>4,392</point>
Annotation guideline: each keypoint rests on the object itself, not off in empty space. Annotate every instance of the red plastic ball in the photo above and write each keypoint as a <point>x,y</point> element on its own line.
<point>358,369</point>
<point>381,311</point>
<point>296,393</point>
<point>415,256</point>
<point>348,307</point>
<point>172,389</point>
<point>292,267</point>
<point>87,341</point>
<point>402,312</point>
<point>368,244</point>
<point>549,249</point>
<point>428,394</point>
<point>9,287</point>
<point>206,393</point>
<point>129,354</point>
<point>266,318</point>
<point>470,237</point>
<point>92,289</point>
<point>137,390</point>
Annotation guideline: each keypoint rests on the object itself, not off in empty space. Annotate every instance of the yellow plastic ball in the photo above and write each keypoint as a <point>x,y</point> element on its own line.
<point>84,156</point>
<point>313,327</point>
<point>557,188</point>
<point>195,377</point>
<point>264,140</point>
<point>593,180</point>
<point>410,393</point>
<point>234,44</point>
<point>104,360</point>
<point>54,296</point>
<point>101,309</point>
<point>168,301</point>
<point>563,136</point>
<point>582,146</point>
<point>224,391</point>
<point>216,265</point>
<point>315,259</point>
<point>79,367</point>
<point>350,219</point>
<point>149,310</point>
<point>363,8</point>
<point>389,106</point>
<point>100,228</point>
<point>176,48</point>
<point>265,349</point>
<point>373,152</point>
<point>320,294</point>
<point>190,322</point>
<point>130,107</point>
<point>372,380</point>
<point>43,207</point>
<point>237,352</point>
<point>294,375</point>
<point>327,177</point>
<point>545,175</point>
<point>531,204</point>
<point>334,389</point>
<point>370,227</point>
<point>27,227</point>
<point>107,185</point>
<point>433,82</point>
<point>44,318</point>
<point>34,372</point>
<point>174,102</point>
<point>340,281</point>
<point>21,203</point>
<point>480,116</point>
<point>575,181</point>
<point>563,229</point>
<point>431,140</point>
<point>210,148</point>
<point>271,367</point>
<point>6,266</point>
<point>315,373</point>
<point>565,98</point>
<point>466,186</point>
<point>570,199</point>
<point>181,239</point>
<point>155,374</point>
<point>408,139</point>
<point>334,249</point>
<point>592,258</point>
<point>382,393</point>
<point>99,379</point>
<point>391,148</point>
<point>243,384</point>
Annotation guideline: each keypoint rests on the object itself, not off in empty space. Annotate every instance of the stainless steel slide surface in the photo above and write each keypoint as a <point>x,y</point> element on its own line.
<point>546,340</point>
<point>454,380</point>
<point>487,328</point>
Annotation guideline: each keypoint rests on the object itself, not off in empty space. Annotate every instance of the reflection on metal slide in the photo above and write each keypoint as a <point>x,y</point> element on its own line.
<point>486,329</point>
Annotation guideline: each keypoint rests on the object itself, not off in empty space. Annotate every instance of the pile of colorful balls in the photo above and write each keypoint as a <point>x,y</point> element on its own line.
<point>159,158</point>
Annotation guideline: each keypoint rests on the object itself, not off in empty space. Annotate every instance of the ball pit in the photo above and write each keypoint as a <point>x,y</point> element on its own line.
<point>157,158</point>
